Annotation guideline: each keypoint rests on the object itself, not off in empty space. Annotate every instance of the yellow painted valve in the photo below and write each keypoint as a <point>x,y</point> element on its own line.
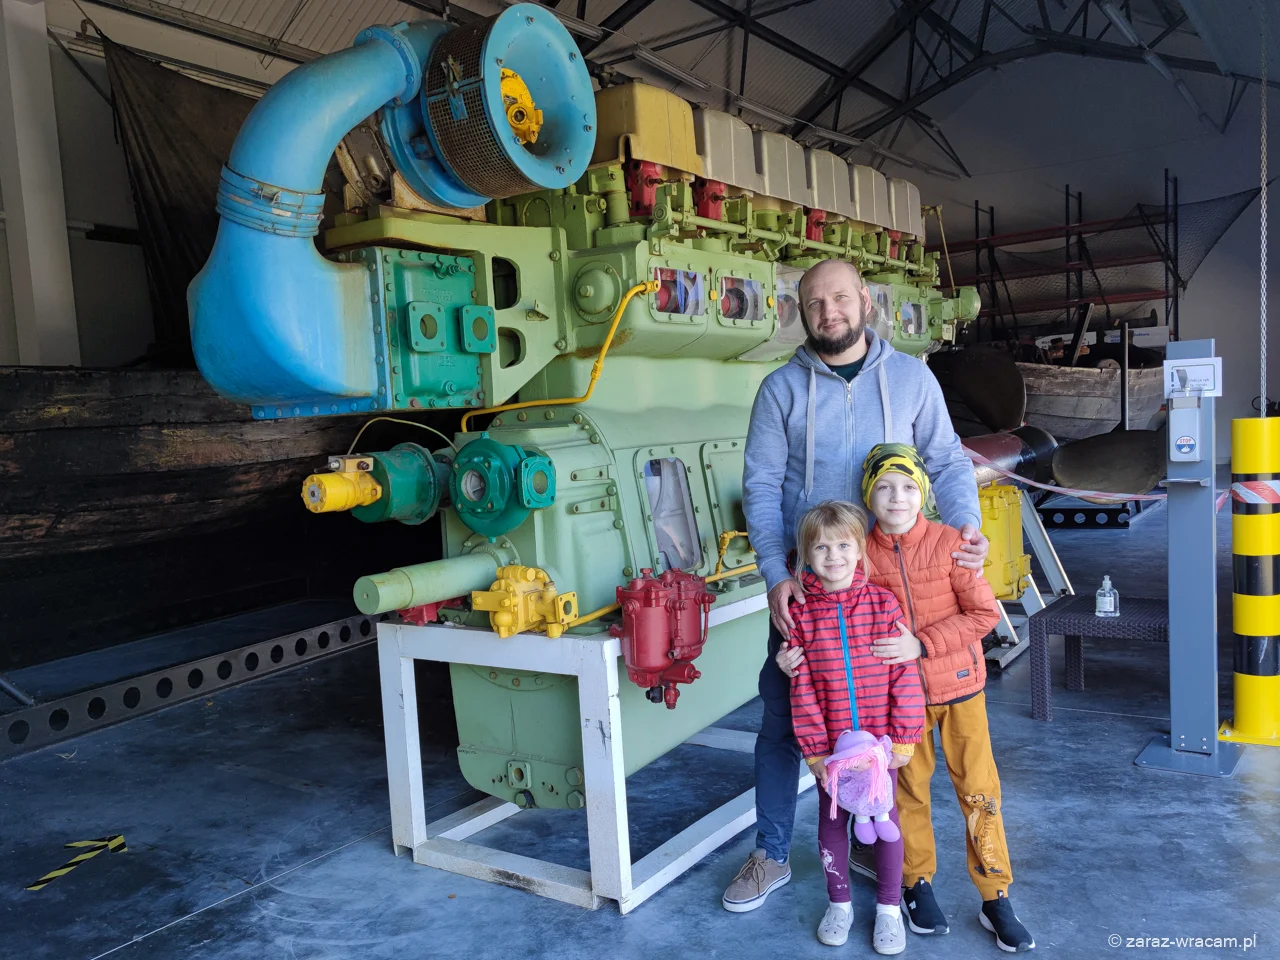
<point>335,492</point>
<point>524,599</point>
<point>524,117</point>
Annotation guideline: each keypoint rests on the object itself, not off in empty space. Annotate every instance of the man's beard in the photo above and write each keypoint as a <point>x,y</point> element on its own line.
<point>833,346</point>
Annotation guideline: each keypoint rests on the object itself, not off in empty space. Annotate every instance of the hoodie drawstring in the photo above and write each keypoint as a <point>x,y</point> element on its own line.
<point>811,410</point>
<point>810,415</point>
<point>884,403</point>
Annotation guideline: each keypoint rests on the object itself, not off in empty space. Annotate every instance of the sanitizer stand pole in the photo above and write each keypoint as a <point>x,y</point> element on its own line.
<point>1193,745</point>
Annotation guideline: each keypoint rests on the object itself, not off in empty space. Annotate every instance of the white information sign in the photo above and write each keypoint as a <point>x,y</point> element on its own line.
<point>1193,378</point>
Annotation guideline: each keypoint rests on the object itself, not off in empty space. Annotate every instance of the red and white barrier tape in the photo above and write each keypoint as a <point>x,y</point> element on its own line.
<point>1072,492</point>
<point>1068,491</point>
<point>1256,491</point>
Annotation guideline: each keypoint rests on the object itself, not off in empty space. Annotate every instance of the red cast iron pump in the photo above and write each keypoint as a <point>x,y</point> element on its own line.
<point>664,625</point>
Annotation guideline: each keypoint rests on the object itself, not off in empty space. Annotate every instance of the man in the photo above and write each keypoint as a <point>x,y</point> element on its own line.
<point>813,423</point>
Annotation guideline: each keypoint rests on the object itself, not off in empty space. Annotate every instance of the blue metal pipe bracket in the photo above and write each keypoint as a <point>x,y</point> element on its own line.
<point>268,208</point>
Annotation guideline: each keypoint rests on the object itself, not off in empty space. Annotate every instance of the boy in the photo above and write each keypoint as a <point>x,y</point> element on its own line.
<point>949,610</point>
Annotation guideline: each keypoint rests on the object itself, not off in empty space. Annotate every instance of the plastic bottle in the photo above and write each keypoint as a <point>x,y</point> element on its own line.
<point>1108,601</point>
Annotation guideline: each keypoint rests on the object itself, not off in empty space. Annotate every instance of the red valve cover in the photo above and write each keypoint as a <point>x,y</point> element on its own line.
<point>642,179</point>
<point>814,221</point>
<point>708,198</point>
<point>664,626</point>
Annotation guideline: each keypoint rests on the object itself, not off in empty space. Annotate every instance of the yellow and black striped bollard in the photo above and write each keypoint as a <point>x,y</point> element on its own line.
<point>1255,548</point>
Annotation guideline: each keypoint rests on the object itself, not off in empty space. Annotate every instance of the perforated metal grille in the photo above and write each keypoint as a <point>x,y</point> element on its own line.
<point>470,147</point>
<point>57,720</point>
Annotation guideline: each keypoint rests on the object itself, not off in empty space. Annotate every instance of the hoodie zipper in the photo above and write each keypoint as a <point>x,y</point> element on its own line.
<point>848,446</point>
<point>906,585</point>
<point>852,494</point>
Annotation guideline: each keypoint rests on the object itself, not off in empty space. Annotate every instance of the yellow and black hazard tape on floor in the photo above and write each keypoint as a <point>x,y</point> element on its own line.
<point>114,844</point>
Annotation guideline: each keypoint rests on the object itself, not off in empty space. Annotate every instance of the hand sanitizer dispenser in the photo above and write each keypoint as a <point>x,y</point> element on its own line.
<point>1186,382</point>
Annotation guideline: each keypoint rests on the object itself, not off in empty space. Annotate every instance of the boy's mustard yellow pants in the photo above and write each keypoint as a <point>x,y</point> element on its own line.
<point>967,748</point>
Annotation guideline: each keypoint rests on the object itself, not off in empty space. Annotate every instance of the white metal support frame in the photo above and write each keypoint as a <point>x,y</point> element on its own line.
<point>35,206</point>
<point>593,660</point>
<point>1012,626</point>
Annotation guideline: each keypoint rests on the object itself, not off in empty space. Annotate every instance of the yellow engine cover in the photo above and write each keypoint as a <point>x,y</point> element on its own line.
<point>647,122</point>
<point>1007,566</point>
<point>523,599</point>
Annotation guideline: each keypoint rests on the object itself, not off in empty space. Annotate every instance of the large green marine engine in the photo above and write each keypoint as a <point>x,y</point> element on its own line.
<point>597,283</point>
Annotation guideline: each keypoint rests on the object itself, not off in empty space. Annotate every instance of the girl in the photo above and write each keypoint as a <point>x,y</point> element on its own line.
<point>839,686</point>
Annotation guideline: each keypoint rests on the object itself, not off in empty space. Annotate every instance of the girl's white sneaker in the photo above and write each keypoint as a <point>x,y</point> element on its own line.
<point>834,928</point>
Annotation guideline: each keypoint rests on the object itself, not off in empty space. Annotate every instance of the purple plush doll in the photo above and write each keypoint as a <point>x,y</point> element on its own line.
<point>858,780</point>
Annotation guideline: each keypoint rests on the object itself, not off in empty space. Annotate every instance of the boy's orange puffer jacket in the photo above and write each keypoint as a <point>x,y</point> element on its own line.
<point>948,606</point>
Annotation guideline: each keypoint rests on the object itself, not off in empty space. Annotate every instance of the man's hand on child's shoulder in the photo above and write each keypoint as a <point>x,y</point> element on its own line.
<point>780,599</point>
<point>900,649</point>
<point>973,550</point>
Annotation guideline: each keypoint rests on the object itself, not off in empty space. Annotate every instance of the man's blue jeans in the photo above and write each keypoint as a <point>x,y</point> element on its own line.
<point>777,759</point>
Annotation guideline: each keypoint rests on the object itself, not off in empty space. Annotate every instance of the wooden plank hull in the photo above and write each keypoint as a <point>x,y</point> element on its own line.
<point>91,459</point>
<point>1077,402</point>
<point>134,501</point>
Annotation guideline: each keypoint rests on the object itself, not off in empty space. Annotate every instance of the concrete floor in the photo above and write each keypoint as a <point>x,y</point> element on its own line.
<point>257,826</point>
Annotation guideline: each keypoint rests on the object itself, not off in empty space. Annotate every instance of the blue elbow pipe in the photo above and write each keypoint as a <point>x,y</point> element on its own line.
<point>273,323</point>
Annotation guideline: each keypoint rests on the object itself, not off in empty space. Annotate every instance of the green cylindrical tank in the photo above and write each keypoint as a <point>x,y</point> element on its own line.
<point>404,587</point>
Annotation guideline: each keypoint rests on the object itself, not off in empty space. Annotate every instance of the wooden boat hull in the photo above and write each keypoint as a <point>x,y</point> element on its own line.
<point>91,459</point>
<point>136,501</point>
<point>1077,402</point>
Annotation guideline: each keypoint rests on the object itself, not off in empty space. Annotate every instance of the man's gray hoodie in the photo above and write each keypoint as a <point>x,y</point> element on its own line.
<point>810,432</point>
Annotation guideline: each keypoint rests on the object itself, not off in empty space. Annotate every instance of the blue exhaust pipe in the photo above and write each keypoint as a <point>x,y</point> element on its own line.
<point>272,321</point>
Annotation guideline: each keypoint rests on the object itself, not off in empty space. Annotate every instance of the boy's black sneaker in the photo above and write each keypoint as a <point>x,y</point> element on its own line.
<point>862,859</point>
<point>1011,936</point>
<point>923,913</point>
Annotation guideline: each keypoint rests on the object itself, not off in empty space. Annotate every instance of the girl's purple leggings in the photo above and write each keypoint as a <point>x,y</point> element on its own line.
<point>833,848</point>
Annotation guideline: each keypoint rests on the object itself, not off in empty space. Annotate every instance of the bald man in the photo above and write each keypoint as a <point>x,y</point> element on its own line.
<point>814,420</point>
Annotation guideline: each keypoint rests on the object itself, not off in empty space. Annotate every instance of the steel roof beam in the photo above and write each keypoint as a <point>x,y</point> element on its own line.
<point>959,75</point>
<point>940,138</point>
<point>871,51</point>
<point>214,29</point>
<point>792,48</point>
<point>954,35</point>
<point>1063,43</point>
<point>1045,42</point>
<point>619,18</point>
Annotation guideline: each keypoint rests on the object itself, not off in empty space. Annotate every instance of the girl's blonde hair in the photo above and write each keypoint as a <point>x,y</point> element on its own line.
<point>836,517</point>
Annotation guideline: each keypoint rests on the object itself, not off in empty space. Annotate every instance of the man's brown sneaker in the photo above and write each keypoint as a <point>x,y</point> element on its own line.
<point>758,878</point>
